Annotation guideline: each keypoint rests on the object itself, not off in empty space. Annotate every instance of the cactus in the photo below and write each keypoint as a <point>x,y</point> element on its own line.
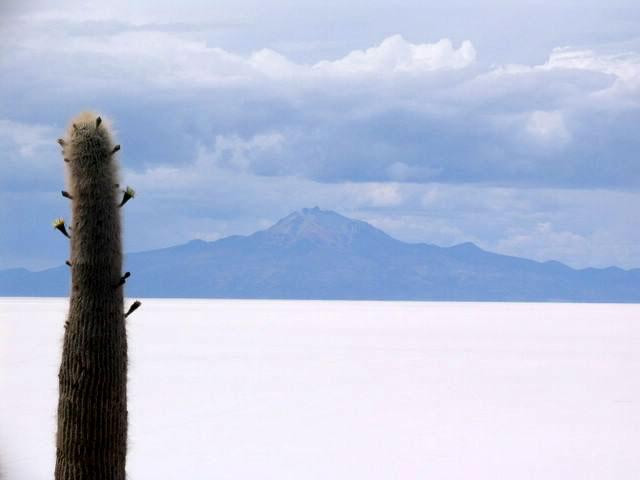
<point>92,407</point>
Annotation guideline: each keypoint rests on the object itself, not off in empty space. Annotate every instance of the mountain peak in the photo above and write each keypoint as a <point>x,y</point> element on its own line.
<point>320,254</point>
<point>314,210</point>
<point>322,227</point>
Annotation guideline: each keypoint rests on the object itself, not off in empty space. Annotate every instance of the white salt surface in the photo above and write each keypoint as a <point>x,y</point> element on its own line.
<point>347,390</point>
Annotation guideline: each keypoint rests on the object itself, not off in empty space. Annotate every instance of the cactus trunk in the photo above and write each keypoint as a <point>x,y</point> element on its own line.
<point>92,408</point>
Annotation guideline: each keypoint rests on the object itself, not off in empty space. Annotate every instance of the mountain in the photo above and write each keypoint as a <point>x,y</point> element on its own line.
<point>317,254</point>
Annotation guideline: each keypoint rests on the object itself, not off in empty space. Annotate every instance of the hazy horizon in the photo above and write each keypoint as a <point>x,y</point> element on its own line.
<point>275,223</point>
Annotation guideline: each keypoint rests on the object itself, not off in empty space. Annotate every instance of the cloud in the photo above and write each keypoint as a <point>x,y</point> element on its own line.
<point>238,154</point>
<point>571,77</point>
<point>397,111</point>
<point>624,66</point>
<point>542,224</point>
<point>396,55</point>
<point>412,132</point>
<point>227,156</point>
<point>134,57</point>
<point>547,128</point>
<point>377,195</point>
<point>25,138</point>
<point>26,155</point>
<point>542,241</point>
<point>226,197</point>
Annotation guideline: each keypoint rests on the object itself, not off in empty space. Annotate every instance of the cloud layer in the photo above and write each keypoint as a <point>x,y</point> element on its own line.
<point>397,111</point>
<point>226,141</point>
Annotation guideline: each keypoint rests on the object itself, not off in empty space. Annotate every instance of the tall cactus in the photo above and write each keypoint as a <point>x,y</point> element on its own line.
<point>92,406</point>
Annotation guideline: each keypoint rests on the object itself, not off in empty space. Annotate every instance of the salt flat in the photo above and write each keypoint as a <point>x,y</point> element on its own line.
<point>347,390</point>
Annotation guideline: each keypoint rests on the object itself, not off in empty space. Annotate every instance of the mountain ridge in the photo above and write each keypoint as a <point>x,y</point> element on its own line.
<point>320,254</point>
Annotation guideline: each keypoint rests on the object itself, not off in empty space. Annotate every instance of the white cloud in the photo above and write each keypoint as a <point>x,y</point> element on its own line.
<point>393,56</point>
<point>25,138</point>
<point>544,242</point>
<point>397,111</point>
<point>547,128</point>
<point>166,59</point>
<point>29,156</point>
<point>237,153</point>
<point>625,66</point>
<point>400,171</point>
<point>274,65</point>
<point>228,156</point>
<point>396,55</point>
<point>377,195</point>
<point>574,76</point>
<point>541,224</point>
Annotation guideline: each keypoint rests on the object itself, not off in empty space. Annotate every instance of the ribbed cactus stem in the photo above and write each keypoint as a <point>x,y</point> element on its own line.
<point>92,408</point>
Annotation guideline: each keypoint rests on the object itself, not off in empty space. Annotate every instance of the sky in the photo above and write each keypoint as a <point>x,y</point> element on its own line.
<point>513,125</point>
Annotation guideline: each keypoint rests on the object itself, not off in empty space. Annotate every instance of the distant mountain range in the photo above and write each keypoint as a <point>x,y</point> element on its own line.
<point>317,254</point>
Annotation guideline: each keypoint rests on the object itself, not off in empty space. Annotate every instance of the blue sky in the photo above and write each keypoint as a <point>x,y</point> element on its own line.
<point>509,124</point>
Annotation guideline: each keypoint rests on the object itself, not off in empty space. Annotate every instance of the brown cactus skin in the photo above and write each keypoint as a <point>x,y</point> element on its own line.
<point>91,441</point>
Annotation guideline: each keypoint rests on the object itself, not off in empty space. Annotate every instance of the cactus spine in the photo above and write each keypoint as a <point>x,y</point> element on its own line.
<point>92,407</point>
